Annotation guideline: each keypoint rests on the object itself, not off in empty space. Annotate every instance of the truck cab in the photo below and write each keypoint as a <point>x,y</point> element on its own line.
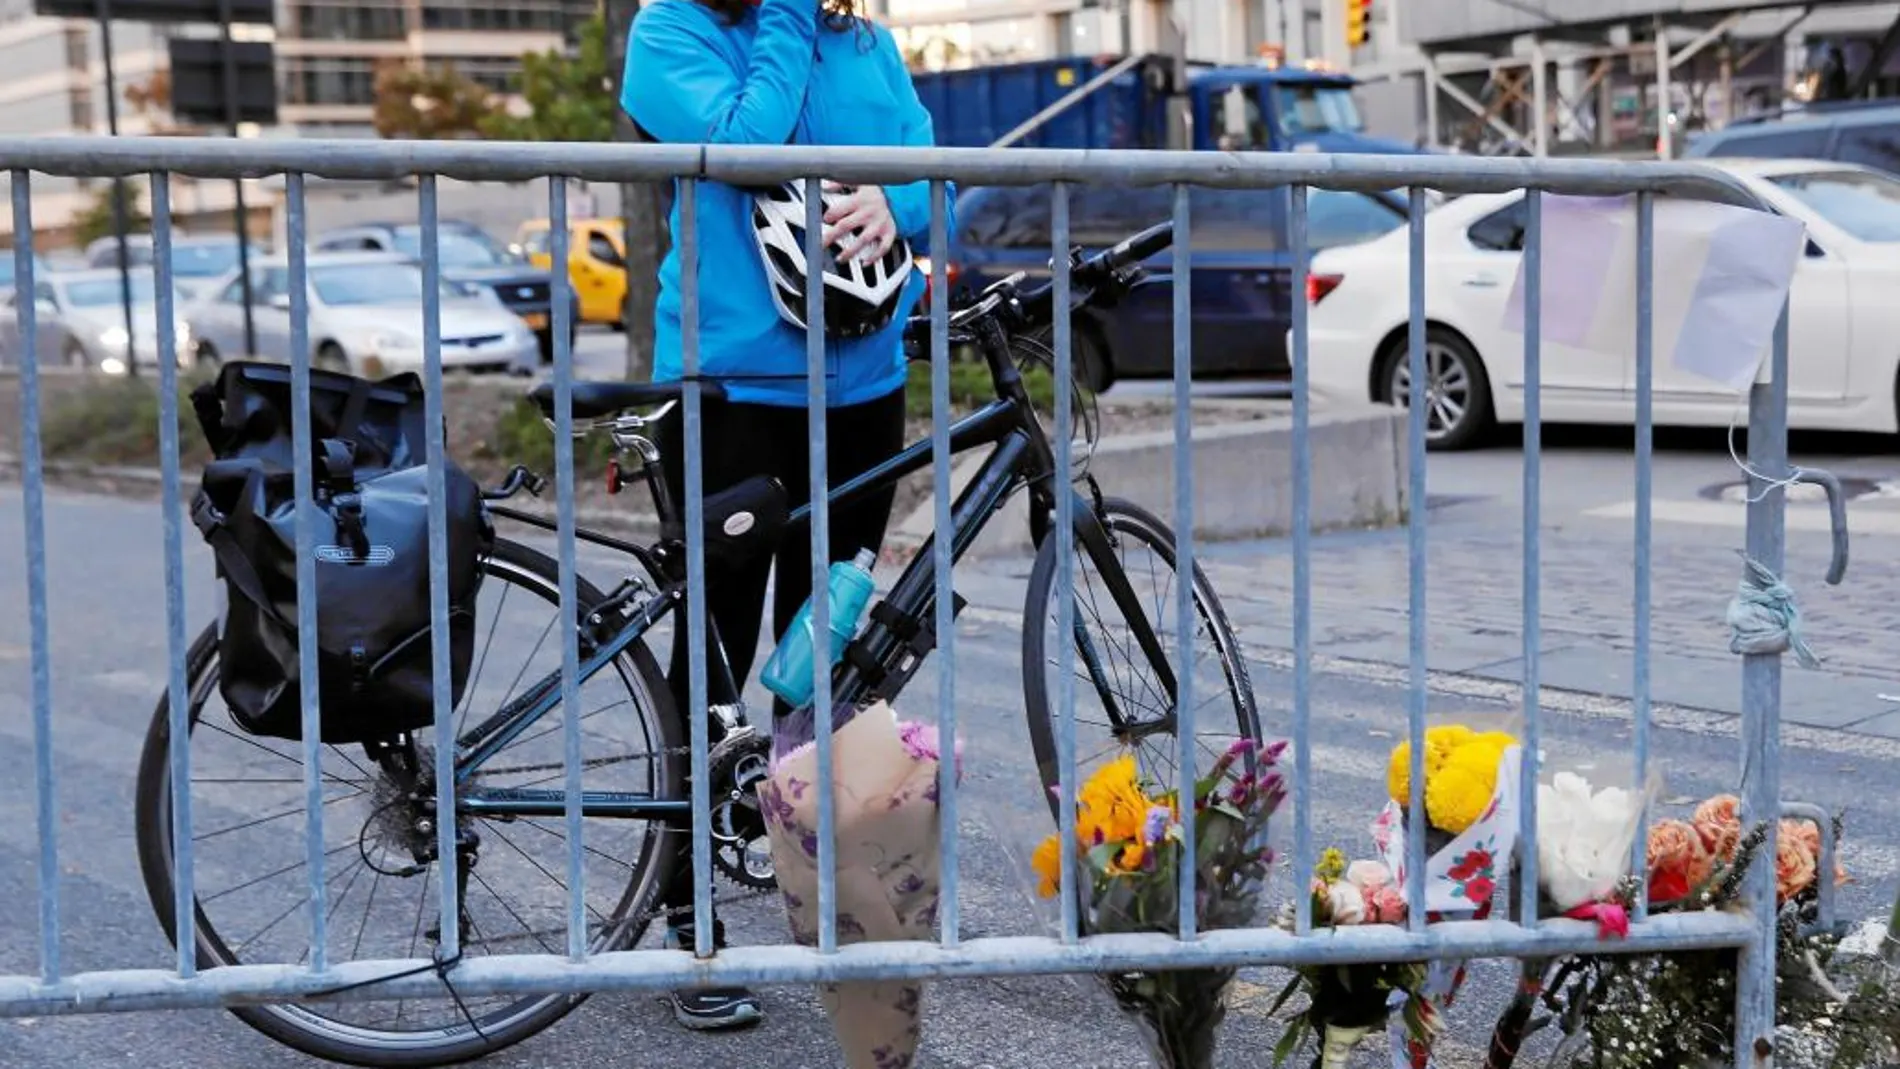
<point>1268,109</point>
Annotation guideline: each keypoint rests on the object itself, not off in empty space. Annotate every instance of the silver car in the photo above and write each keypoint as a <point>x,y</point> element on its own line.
<point>81,322</point>
<point>197,262</point>
<point>365,315</point>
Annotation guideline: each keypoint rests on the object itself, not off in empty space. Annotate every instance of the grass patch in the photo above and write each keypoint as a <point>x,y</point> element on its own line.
<point>114,421</point>
<point>971,387</point>
<point>521,436</point>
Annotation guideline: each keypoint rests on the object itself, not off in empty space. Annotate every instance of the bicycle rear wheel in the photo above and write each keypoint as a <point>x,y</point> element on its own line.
<point>253,883</point>
<point>1122,701</point>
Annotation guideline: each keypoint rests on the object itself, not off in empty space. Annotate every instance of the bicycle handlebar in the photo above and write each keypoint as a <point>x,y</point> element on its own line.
<point>1112,269</point>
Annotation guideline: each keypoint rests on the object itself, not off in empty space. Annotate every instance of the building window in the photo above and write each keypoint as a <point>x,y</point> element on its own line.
<point>328,80</point>
<point>323,21</point>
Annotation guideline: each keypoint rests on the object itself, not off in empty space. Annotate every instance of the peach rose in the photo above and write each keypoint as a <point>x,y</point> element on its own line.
<point>1808,834</point>
<point>1719,822</point>
<point>1794,868</point>
<point>1678,861</point>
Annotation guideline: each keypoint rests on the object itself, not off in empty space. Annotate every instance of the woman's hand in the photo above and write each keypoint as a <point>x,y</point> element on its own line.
<point>861,224</point>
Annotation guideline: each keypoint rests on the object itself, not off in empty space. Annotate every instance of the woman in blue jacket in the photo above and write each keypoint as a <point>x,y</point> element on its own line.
<point>769,72</point>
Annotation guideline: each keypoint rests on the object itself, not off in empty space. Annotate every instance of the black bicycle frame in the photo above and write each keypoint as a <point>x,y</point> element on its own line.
<point>1021,458</point>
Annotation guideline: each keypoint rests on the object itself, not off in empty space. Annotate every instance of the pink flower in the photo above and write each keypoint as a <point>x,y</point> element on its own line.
<point>921,742</point>
<point>1385,905</point>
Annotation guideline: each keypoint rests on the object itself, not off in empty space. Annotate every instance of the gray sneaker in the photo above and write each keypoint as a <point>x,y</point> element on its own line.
<point>715,1008</point>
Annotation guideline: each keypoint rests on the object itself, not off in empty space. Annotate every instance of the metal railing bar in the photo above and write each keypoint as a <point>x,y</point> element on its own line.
<point>950,918</point>
<point>1417,417</point>
<point>303,482</point>
<point>178,742</point>
<point>1069,884</point>
<point>1533,273</point>
<point>450,944</point>
<point>1645,456</point>
<point>33,498</point>
<point>1188,748</point>
<point>559,286</point>
<point>694,470</point>
<point>760,164</point>
<point>124,991</point>
<point>1303,859</point>
<point>820,617</point>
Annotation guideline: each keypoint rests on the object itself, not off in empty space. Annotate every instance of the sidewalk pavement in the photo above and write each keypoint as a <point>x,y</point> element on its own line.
<point>1474,609</point>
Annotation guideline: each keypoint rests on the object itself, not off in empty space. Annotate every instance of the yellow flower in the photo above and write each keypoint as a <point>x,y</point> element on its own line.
<point>1130,860</point>
<point>1332,864</point>
<point>1111,805</point>
<point>1460,792</point>
<point>1047,862</point>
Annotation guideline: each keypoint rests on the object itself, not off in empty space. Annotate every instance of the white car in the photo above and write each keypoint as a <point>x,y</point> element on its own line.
<point>1844,323</point>
<point>363,306</point>
<point>80,321</point>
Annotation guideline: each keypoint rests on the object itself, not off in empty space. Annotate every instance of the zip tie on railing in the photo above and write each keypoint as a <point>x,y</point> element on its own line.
<point>1762,618</point>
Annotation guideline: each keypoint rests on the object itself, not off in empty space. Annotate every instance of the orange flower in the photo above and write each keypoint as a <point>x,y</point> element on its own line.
<point>1130,860</point>
<point>1719,822</point>
<point>1808,834</point>
<point>1794,868</point>
<point>1678,861</point>
<point>1047,862</point>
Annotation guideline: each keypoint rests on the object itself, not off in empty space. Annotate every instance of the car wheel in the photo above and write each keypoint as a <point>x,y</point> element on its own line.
<point>546,338</point>
<point>331,357</point>
<point>206,355</point>
<point>1458,394</point>
<point>74,355</point>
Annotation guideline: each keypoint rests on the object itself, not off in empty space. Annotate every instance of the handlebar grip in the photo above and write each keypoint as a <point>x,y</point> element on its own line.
<point>1135,249</point>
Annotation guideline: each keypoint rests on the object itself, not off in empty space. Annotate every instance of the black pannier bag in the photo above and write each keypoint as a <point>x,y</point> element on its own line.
<point>371,536</point>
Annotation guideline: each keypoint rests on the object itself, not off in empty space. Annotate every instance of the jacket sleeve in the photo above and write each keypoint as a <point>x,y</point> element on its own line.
<point>680,86</point>
<point>910,203</point>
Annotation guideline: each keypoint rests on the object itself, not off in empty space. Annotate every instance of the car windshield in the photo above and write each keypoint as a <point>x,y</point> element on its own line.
<point>204,260</point>
<point>1861,203</point>
<point>373,283</point>
<point>458,248</point>
<point>100,292</point>
<point>1305,110</point>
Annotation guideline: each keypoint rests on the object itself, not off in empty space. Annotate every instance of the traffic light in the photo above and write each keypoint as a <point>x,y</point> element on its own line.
<point>1358,22</point>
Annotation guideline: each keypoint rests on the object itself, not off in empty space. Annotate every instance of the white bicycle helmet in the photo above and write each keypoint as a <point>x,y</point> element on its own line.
<point>860,298</point>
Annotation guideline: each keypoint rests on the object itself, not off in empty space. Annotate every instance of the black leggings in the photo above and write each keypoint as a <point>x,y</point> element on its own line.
<point>740,440</point>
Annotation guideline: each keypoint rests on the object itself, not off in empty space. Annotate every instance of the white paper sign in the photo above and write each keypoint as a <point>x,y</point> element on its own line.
<point>1721,276</point>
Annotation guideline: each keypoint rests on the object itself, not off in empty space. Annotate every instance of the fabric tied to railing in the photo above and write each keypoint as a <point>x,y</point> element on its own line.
<point>1762,618</point>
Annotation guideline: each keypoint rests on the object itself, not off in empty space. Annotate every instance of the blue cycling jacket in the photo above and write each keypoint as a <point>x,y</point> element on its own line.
<point>777,75</point>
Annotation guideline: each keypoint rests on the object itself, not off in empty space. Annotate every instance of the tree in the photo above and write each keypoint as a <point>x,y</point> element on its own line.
<point>566,98</point>
<point>429,102</point>
<point>643,207</point>
<point>95,220</point>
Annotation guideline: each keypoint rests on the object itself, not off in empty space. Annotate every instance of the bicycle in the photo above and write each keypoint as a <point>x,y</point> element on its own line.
<point>635,819</point>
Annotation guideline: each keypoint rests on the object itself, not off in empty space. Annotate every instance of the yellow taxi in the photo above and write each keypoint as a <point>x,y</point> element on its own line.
<point>596,263</point>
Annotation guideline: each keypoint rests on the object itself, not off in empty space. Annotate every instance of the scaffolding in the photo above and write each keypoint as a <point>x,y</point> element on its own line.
<point>1641,87</point>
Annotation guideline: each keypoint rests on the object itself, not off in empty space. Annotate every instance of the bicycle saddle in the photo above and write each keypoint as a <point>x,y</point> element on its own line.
<point>595,399</point>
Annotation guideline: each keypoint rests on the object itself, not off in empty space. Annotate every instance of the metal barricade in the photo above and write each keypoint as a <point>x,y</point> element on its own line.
<point>55,990</point>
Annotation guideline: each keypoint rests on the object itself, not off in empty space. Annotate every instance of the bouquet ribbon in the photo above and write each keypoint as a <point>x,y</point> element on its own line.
<point>1612,920</point>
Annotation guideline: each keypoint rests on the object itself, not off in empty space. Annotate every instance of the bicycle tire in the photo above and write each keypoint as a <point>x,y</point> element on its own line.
<point>302,1027</point>
<point>1123,521</point>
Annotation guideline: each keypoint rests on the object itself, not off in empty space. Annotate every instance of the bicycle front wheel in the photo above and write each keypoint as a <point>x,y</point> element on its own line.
<point>252,880</point>
<point>1126,694</point>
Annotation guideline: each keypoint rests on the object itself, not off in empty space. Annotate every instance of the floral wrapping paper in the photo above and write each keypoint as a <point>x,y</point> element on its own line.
<point>1460,879</point>
<point>888,855</point>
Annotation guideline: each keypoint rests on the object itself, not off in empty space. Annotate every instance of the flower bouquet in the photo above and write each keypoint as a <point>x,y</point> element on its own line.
<point>885,775</point>
<point>1347,1002</point>
<point>1128,851</point>
<point>1588,818</point>
<point>1471,789</point>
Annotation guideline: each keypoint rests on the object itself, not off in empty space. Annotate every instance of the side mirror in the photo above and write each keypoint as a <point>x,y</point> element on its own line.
<point>279,301</point>
<point>1815,252</point>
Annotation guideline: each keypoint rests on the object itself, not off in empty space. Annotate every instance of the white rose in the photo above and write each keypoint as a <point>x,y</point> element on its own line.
<point>1584,838</point>
<point>1346,904</point>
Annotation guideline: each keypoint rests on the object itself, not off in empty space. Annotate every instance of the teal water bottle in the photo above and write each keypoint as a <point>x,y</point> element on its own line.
<point>788,673</point>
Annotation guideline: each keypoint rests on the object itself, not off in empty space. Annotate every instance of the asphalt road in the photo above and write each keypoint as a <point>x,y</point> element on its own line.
<point>109,667</point>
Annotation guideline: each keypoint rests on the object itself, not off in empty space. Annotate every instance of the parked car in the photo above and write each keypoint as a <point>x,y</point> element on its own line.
<point>81,322</point>
<point>196,261</point>
<point>596,264</point>
<point>467,254</point>
<point>1240,256</point>
<point>7,265</point>
<point>1863,132</point>
<point>363,305</point>
<point>1844,357</point>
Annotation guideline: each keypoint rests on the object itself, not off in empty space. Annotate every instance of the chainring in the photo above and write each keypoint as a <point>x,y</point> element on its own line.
<point>741,851</point>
